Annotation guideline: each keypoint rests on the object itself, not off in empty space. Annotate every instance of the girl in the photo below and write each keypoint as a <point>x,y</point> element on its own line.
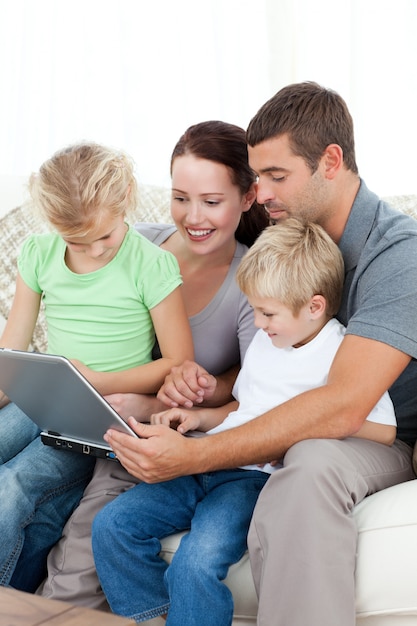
<point>107,291</point>
<point>216,217</point>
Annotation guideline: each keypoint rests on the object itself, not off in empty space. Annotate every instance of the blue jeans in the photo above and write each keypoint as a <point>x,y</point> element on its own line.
<point>217,508</point>
<point>39,487</point>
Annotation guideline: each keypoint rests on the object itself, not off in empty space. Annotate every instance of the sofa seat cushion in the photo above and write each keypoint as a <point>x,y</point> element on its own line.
<point>386,564</point>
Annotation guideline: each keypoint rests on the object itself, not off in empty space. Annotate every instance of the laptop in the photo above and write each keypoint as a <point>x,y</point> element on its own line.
<point>70,412</point>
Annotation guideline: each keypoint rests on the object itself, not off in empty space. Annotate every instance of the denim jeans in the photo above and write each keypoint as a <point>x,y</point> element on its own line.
<point>217,508</point>
<point>39,487</point>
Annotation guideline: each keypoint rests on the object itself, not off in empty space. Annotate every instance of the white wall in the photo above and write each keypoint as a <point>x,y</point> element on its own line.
<point>12,192</point>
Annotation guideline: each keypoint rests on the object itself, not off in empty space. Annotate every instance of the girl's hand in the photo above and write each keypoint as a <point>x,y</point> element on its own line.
<point>3,400</point>
<point>180,419</point>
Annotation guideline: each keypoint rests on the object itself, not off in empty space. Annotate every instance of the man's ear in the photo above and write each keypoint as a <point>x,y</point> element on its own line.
<point>249,197</point>
<point>318,306</point>
<point>332,160</point>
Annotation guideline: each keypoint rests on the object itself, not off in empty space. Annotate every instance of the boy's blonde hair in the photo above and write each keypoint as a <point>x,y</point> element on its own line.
<point>291,262</point>
<point>74,186</point>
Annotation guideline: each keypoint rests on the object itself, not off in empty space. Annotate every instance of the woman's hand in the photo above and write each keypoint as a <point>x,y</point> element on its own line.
<point>186,385</point>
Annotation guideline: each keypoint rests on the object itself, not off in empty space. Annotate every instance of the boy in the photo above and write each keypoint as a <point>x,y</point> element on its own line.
<point>293,277</point>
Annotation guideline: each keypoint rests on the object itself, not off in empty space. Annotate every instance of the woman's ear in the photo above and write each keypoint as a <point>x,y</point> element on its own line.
<point>249,198</point>
<point>318,306</point>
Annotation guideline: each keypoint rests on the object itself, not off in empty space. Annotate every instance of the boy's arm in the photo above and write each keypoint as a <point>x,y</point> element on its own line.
<point>202,419</point>
<point>381,433</point>
<point>362,371</point>
<point>175,341</point>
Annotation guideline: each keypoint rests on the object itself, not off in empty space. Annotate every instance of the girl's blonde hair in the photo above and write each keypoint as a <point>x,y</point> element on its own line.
<point>291,262</point>
<point>80,183</point>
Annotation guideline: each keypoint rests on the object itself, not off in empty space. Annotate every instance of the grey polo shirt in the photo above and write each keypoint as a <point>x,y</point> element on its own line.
<point>379,247</point>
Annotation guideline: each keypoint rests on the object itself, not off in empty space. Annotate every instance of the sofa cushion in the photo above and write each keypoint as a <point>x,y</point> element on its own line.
<point>15,227</point>
<point>386,563</point>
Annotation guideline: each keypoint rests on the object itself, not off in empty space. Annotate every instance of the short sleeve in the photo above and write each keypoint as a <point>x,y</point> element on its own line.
<point>161,278</point>
<point>28,263</point>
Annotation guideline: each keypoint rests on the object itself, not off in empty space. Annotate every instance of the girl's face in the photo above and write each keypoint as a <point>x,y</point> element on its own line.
<point>205,205</point>
<point>102,243</point>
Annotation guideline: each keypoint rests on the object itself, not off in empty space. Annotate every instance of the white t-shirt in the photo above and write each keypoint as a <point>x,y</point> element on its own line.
<point>271,376</point>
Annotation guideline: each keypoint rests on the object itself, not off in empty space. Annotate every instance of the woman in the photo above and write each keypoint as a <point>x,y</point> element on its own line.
<point>216,217</point>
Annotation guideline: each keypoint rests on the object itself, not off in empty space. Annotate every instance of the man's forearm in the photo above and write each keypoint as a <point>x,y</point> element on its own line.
<point>270,435</point>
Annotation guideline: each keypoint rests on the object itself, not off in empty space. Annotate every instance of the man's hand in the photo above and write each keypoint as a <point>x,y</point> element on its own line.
<point>186,385</point>
<point>159,454</point>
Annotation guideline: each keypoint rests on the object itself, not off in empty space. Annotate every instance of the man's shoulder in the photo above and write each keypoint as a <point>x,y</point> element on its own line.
<point>381,213</point>
<point>373,226</point>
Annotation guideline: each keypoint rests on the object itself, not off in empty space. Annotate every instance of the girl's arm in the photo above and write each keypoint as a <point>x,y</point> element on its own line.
<point>139,405</point>
<point>21,321</point>
<point>176,344</point>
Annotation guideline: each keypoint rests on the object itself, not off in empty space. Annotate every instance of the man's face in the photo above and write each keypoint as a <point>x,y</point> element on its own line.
<point>286,186</point>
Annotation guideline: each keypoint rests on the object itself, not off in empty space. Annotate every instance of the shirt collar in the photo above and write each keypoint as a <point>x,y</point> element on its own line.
<point>358,226</point>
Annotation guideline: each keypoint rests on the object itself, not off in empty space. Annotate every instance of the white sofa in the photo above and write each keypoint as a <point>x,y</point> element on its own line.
<point>386,571</point>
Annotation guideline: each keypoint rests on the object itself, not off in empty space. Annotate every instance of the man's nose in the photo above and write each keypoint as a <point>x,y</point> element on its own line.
<point>264,192</point>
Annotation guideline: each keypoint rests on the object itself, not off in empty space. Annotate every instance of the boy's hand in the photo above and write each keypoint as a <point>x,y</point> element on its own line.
<point>180,419</point>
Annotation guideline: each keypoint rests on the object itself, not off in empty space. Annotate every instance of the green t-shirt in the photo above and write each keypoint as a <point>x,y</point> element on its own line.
<point>101,318</point>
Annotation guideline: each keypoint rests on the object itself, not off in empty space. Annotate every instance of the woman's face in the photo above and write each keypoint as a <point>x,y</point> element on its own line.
<point>205,205</point>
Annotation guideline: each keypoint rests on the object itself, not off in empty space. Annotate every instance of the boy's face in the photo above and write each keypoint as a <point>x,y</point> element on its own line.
<point>282,326</point>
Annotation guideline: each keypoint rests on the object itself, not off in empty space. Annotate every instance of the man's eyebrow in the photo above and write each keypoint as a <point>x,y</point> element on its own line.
<point>272,168</point>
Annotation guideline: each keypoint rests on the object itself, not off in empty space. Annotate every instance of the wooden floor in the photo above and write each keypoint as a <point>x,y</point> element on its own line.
<point>25,609</point>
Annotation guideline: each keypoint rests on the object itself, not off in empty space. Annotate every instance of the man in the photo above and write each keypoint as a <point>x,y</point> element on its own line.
<point>302,540</point>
